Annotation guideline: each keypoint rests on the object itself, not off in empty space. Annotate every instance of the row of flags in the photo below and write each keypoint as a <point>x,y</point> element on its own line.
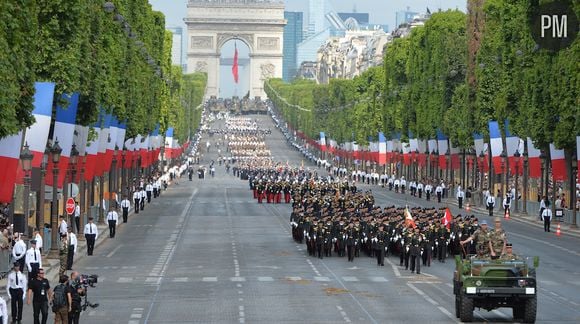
<point>395,150</point>
<point>107,139</point>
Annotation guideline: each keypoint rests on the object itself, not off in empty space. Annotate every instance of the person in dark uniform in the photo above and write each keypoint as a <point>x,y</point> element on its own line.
<point>442,237</point>
<point>38,294</point>
<point>381,240</point>
<point>416,250</point>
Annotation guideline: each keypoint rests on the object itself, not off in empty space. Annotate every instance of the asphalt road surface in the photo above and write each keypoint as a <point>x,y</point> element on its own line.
<point>206,252</point>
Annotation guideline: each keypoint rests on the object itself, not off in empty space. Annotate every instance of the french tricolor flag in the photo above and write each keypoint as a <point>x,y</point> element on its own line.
<point>37,134</point>
<point>143,151</point>
<point>558,164</point>
<point>512,145</point>
<point>496,145</point>
<point>454,151</point>
<point>169,143</point>
<point>129,148</point>
<point>111,144</point>
<point>92,152</point>
<point>322,142</point>
<point>390,148</point>
<point>64,129</point>
<point>9,159</point>
<point>443,146</point>
<point>382,149</point>
<point>80,142</point>
<point>104,138</point>
<point>422,148</point>
<point>534,161</point>
<point>121,131</point>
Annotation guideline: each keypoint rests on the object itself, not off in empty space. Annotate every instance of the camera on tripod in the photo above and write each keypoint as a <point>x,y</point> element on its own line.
<point>88,280</point>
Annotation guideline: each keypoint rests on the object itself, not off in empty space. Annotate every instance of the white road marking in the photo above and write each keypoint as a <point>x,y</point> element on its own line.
<point>294,278</point>
<point>433,302</point>
<point>181,279</point>
<point>124,279</point>
<point>379,279</point>
<point>321,279</point>
<point>350,279</point>
<point>265,279</point>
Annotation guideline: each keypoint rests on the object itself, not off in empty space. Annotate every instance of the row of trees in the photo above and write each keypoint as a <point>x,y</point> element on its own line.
<point>455,74</point>
<point>119,61</point>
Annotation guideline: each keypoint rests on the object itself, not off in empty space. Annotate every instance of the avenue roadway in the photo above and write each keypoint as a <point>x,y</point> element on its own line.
<point>206,252</point>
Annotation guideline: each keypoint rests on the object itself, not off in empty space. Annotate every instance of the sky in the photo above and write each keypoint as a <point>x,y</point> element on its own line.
<point>381,12</point>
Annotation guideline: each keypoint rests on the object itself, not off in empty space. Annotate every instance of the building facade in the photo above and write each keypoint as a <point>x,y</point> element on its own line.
<point>177,57</point>
<point>404,17</point>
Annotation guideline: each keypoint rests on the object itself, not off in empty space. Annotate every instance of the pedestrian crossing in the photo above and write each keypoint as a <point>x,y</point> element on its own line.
<point>155,280</point>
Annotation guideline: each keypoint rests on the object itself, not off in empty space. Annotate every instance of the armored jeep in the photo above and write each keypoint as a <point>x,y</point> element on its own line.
<point>490,284</point>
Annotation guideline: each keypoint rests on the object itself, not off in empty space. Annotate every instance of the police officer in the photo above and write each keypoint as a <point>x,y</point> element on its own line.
<point>137,200</point>
<point>15,288</point>
<point>33,260</point>
<point>125,206</point>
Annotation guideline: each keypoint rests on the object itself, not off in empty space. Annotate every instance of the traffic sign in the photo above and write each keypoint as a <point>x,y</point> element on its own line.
<point>70,206</point>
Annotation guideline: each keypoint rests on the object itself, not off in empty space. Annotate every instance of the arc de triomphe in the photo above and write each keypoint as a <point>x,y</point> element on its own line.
<point>257,23</point>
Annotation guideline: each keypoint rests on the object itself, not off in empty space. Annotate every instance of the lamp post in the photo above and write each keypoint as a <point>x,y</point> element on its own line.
<point>503,157</point>
<point>543,168</point>
<point>74,155</point>
<point>113,177</point>
<point>517,156</point>
<point>447,169</point>
<point>82,191</point>
<point>55,155</point>
<point>481,174</point>
<point>26,160</point>
<point>41,192</point>
<point>123,172</point>
<point>427,165</point>
<point>574,198</point>
<point>525,184</point>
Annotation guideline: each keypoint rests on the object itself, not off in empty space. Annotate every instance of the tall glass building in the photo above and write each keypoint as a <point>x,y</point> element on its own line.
<point>293,35</point>
<point>404,17</point>
<point>317,10</point>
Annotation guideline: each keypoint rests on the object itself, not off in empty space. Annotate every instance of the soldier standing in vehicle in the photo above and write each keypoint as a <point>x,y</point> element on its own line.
<point>481,237</point>
<point>508,255</point>
<point>498,240</point>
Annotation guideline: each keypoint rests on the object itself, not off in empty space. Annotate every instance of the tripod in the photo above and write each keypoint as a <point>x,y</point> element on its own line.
<point>86,303</point>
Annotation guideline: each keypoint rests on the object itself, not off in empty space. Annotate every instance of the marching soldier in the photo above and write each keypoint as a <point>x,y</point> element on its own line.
<point>441,243</point>
<point>416,251</point>
<point>381,240</point>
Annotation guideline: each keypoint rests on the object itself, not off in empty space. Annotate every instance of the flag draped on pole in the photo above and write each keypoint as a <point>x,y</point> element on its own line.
<point>9,158</point>
<point>496,146</point>
<point>37,134</point>
<point>446,221</point>
<point>558,163</point>
<point>382,149</point>
<point>64,129</point>
<point>443,146</point>
<point>409,222</point>
<point>235,66</point>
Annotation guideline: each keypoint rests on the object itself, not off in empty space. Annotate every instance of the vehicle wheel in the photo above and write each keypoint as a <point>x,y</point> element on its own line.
<point>530,310</point>
<point>466,309</point>
<point>457,306</point>
<point>518,311</point>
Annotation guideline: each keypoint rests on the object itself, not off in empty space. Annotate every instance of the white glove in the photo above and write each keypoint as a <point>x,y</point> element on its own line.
<point>407,249</point>
<point>334,239</point>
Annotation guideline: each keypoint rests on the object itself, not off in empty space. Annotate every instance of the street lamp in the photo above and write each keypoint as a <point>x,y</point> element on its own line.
<point>74,155</point>
<point>574,198</point>
<point>517,156</point>
<point>55,155</point>
<point>503,157</point>
<point>543,168</point>
<point>26,161</point>
<point>448,179</point>
<point>525,184</point>
<point>109,7</point>
<point>123,170</point>
<point>481,174</point>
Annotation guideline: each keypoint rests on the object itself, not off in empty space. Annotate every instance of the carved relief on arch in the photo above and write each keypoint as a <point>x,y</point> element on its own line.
<point>201,66</point>
<point>222,38</point>
<point>267,70</point>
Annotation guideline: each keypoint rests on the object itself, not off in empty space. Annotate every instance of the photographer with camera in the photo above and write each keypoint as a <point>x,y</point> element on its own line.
<point>76,290</point>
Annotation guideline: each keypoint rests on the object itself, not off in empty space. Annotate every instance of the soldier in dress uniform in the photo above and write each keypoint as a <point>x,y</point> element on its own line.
<point>441,243</point>
<point>416,250</point>
<point>381,241</point>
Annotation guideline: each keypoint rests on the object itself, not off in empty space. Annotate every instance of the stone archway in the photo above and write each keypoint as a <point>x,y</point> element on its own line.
<point>258,23</point>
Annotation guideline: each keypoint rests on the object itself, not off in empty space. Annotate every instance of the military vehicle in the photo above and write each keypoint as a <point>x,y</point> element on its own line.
<point>490,284</point>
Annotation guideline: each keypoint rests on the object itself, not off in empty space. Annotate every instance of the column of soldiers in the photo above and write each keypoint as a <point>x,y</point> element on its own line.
<point>334,218</point>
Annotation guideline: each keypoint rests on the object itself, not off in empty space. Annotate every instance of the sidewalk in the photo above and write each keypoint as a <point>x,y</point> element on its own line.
<point>51,264</point>
<point>530,218</point>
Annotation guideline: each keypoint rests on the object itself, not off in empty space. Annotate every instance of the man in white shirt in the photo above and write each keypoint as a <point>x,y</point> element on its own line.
<point>125,206</point>
<point>112,218</point>
<point>91,235</point>
<point>38,239</point>
<point>547,218</point>
<point>460,197</point>
<point>62,226</point>
<point>403,185</point>
<point>72,248</point>
<point>428,190</point>
<point>33,260</point>
<point>137,200</point>
<point>420,189</point>
<point>439,193</point>
<point>490,204</point>
<point>507,203</point>
<point>149,192</point>
<point>77,217</point>
<point>15,287</point>
<point>143,196</point>
<point>19,251</point>
<point>397,183</point>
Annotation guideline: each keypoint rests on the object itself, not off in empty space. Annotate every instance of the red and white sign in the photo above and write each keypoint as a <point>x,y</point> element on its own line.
<point>70,206</point>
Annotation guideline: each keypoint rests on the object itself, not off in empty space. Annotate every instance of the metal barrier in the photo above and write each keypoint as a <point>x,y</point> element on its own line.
<point>5,262</point>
